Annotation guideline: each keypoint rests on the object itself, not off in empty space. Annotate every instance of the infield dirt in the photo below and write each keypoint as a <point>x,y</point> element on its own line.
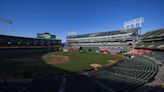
<point>58,59</point>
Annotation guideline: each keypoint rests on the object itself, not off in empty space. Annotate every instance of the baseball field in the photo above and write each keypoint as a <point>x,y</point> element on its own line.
<point>77,61</point>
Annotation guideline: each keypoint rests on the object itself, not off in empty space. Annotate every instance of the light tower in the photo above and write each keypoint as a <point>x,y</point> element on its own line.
<point>134,23</point>
<point>5,24</point>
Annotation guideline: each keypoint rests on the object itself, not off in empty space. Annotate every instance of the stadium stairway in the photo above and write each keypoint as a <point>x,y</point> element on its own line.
<point>64,83</point>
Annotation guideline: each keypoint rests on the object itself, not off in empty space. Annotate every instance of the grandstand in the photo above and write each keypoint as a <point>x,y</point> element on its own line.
<point>127,74</point>
<point>152,40</point>
<point>24,42</point>
<point>113,40</point>
<point>158,55</point>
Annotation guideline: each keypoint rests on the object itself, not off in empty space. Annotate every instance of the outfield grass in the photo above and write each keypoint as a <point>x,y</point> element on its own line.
<point>79,60</point>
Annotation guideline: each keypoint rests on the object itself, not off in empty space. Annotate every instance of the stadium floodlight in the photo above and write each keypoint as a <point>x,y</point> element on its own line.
<point>5,22</point>
<point>72,33</point>
<point>134,23</point>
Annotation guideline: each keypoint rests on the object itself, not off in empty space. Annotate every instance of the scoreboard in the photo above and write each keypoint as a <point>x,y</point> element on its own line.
<point>46,36</point>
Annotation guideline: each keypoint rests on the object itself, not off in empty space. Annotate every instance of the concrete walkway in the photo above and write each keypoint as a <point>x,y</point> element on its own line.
<point>62,86</point>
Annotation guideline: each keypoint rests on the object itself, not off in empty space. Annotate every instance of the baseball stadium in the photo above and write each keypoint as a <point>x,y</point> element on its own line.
<point>117,60</point>
<point>114,61</point>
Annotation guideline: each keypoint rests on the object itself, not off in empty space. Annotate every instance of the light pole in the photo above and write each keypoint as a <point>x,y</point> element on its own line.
<point>5,22</point>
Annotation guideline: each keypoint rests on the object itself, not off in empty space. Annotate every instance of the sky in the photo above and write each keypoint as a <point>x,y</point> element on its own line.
<point>60,17</point>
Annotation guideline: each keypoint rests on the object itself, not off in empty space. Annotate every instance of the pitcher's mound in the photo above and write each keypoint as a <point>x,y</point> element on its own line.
<point>58,59</point>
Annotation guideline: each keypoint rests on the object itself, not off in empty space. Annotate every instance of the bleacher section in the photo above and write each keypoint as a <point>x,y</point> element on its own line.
<point>155,33</point>
<point>157,84</point>
<point>44,84</point>
<point>12,86</point>
<point>157,55</point>
<point>127,74</point>
<point>152,40</point>
<point>64,83</point>
<point>13,41</point>
<point>80,83</point>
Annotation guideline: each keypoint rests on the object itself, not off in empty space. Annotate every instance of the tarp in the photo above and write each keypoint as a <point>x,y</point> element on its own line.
<point>138,52</point>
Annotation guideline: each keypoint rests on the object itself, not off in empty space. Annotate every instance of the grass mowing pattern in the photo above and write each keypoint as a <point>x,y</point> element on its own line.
<point>80,60</point>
